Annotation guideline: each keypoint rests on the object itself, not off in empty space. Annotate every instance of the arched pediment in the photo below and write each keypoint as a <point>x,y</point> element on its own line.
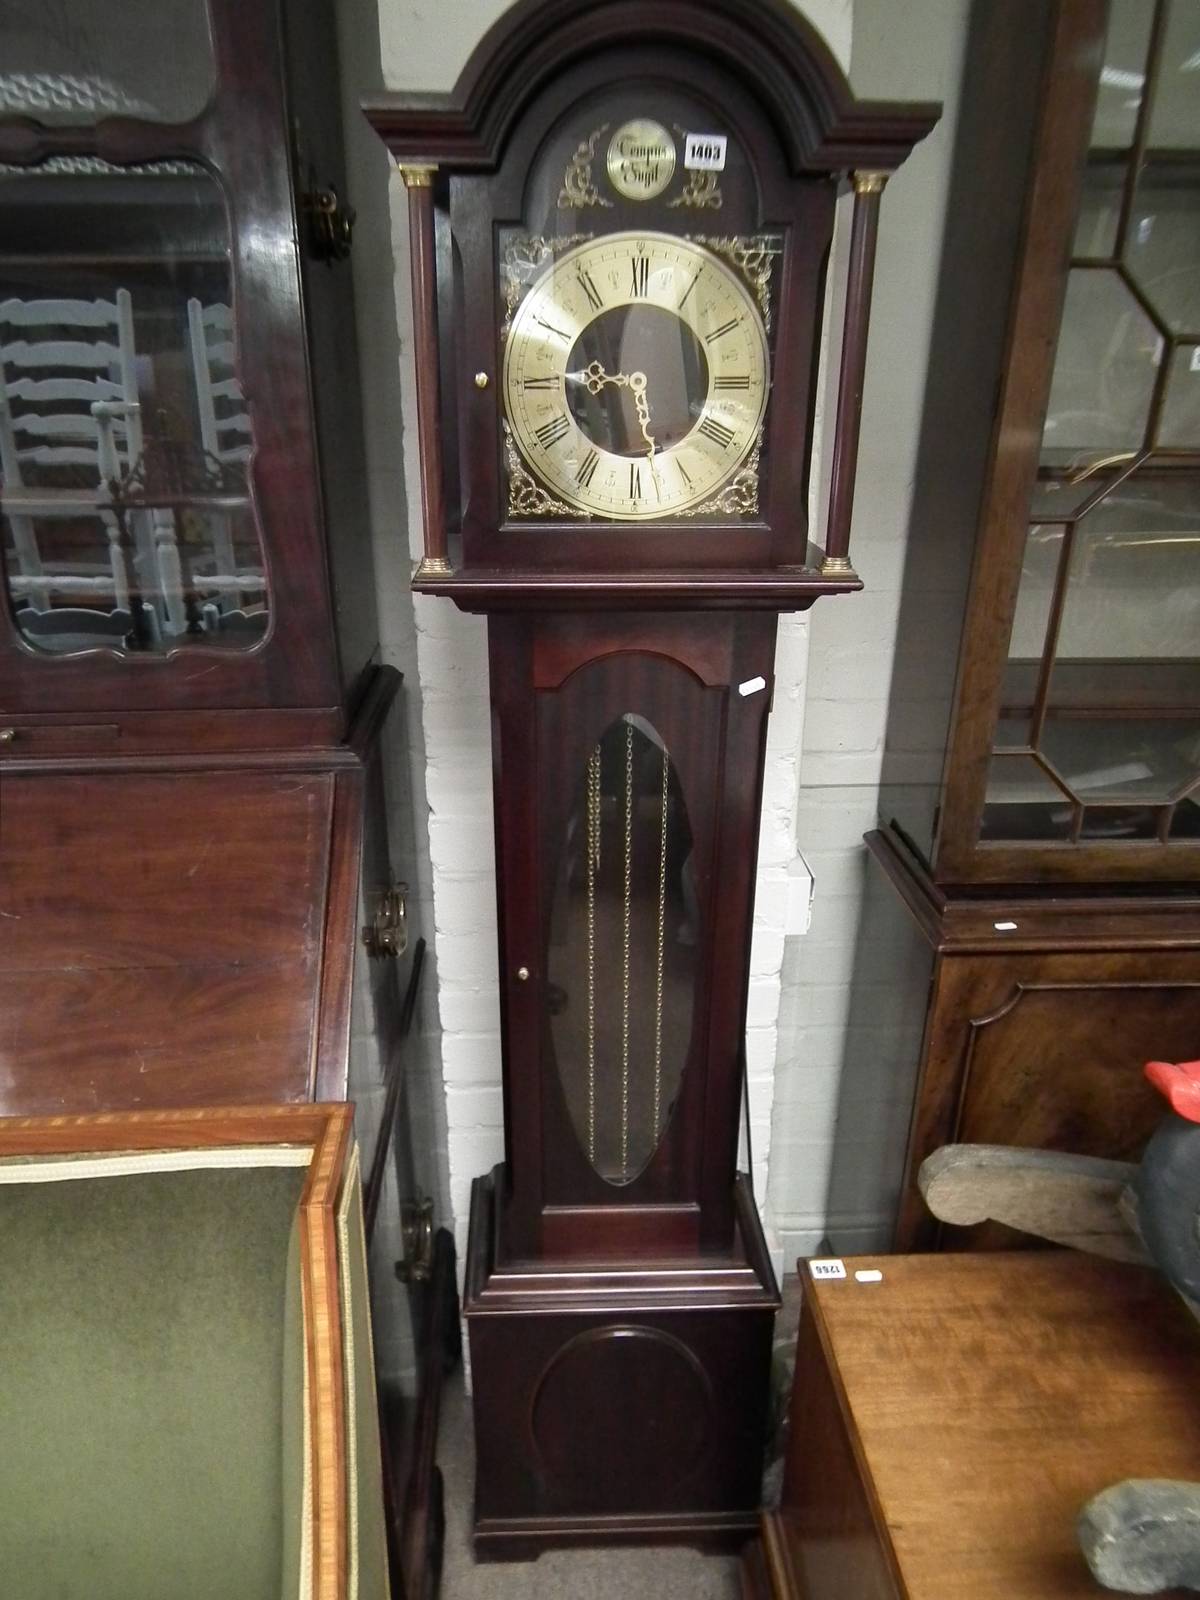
<point>766,45</point>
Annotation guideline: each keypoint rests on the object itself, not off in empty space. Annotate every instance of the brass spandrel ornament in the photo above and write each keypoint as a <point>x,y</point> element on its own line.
<point>578,190</point>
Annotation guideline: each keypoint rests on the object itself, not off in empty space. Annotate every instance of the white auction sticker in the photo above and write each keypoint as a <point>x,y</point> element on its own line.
<point>868,1275</point>
<point>751,686</point>
<point>705,152</point>
<point>831,1267</point>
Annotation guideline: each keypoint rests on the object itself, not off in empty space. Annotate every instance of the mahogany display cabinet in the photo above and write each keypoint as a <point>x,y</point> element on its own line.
<point>190,699</point>
<point>1041,785</point>
<point>620,223</point>
<point>194,859</point>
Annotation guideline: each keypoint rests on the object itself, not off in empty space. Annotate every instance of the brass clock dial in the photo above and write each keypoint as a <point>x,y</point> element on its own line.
<point>636,375</point>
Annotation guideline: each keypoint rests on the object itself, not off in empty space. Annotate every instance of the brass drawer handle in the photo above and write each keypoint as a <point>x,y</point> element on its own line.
<point>8,735</point>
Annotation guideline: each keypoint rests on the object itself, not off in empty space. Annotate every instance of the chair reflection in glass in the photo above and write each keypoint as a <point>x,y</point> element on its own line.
<point>70,428</point>
<point>226,440</point>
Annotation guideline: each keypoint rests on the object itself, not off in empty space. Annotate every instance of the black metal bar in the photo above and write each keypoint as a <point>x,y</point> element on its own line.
<point>373,1187</point>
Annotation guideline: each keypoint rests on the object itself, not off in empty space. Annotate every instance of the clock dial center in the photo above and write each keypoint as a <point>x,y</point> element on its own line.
<point>636,375</point>
<point>628,343</point>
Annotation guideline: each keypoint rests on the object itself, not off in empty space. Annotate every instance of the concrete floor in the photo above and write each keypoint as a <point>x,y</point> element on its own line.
<point>660,1573</point>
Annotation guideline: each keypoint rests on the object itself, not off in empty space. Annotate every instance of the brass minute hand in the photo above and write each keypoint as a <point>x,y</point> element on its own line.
<point>637,382</point>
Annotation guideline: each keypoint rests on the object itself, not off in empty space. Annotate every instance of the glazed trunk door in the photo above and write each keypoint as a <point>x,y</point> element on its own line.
<point>628,771</point>
<point>628,756</point>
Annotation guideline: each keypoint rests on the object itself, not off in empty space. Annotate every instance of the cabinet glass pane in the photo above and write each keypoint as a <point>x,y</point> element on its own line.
<point>1185,820</point>
<point>1103,677</point>
<point>126,519</point>
<point>1100,209</point>
<point>1174,112</point>
<point>624,937</point>
<point>1179,426</point>
<point>1104,371</point>
<point>1024,802</point>
<point>1113,760</point>
<point>1133,590</point>
<point>1162,251</point>
<point>74,61</point>
<point>1098,733</point>
<point>1123,76</point>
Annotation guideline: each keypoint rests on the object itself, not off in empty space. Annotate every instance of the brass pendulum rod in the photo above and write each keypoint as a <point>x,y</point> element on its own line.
<point>625,951</point>
<point>662,925</point>
<point>593,867</point>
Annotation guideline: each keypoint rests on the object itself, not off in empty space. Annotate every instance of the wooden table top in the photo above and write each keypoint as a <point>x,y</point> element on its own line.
<point>990,1396</point>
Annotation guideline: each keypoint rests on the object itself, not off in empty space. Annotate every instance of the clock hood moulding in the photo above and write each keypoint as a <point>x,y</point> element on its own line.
<point>780,57</point>
<point>492,492</point>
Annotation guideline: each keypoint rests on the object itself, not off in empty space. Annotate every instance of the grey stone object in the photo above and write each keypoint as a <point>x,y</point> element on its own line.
<point>1073,1200</point>
<point>1143,1536</point>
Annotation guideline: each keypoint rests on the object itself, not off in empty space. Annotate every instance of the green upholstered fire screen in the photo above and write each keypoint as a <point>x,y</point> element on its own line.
<point>151,1416</point>
<point>159,1423</point>
<point>367,1534</point>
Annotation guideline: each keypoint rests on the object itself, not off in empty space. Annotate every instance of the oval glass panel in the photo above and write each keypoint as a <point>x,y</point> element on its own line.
<point>624,938</point>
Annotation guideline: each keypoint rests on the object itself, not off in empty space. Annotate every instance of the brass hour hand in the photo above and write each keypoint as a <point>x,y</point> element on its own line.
<point>595,377</point>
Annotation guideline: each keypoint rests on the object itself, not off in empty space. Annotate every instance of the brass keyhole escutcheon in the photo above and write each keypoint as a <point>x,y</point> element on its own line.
<point>330,223</point>
<point>386,935</point>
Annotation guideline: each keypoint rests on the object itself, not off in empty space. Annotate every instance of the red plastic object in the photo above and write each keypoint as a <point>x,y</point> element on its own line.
<point>1180,1082</point>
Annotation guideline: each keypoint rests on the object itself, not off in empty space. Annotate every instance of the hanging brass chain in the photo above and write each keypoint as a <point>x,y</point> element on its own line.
<point>662,928</point>
<point>595,789</point>
<point>625,953</point>
<point>593,867</point>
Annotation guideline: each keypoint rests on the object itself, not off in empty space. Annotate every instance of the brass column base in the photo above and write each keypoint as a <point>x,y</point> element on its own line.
<point>432,567</point>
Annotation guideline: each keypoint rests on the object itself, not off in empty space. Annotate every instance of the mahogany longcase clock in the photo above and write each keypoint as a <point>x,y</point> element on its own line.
<point>621,218</point>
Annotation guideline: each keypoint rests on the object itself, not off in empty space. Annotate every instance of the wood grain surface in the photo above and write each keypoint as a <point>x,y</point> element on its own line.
<point>163,938</point>
<point>986,1399</point>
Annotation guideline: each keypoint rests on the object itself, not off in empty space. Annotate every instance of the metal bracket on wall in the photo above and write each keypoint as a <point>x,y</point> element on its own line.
<point>386,935</point>
<point>416,1231</point>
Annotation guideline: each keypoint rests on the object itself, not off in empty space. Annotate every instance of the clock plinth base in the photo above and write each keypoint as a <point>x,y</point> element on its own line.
<point>617,1402</point>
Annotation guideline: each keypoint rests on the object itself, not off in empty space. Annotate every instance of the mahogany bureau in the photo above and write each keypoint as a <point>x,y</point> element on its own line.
<point>950,1420</point>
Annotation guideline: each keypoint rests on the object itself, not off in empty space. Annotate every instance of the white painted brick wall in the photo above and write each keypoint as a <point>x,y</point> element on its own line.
<point>914,52</point>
